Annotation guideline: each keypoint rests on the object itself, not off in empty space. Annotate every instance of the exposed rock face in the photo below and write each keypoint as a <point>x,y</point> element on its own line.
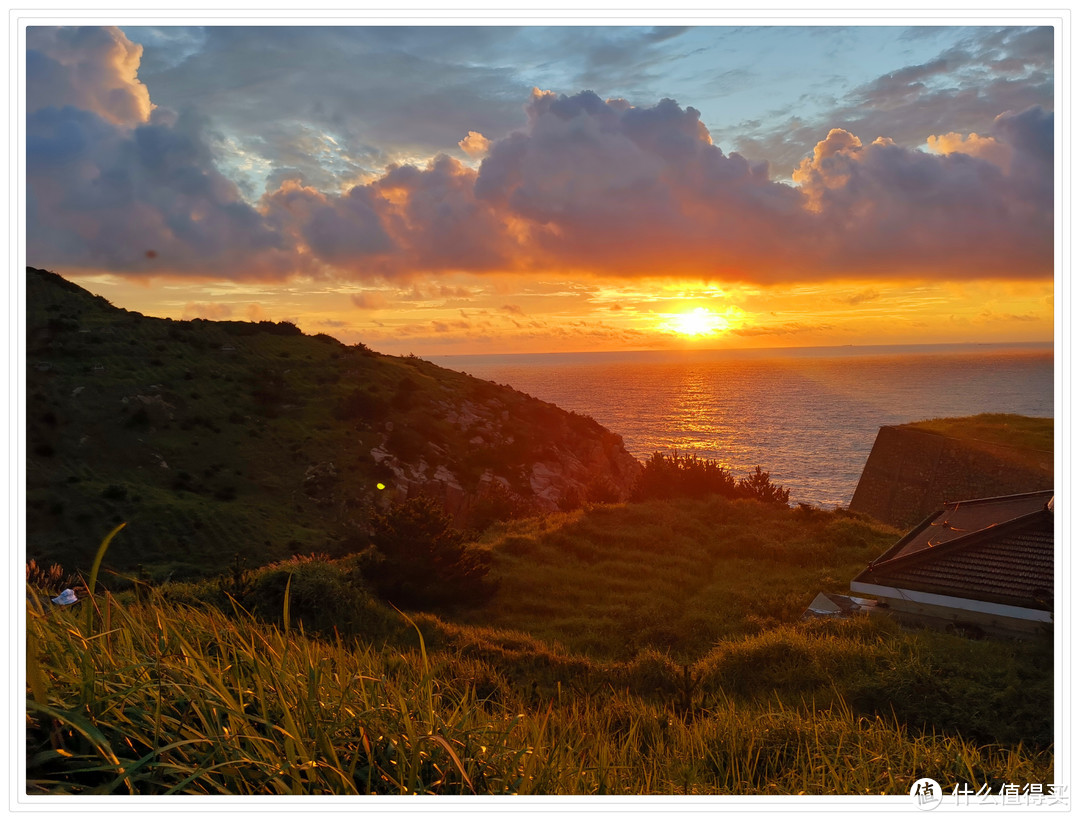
<point>529,451</point>
<point>911,472</point>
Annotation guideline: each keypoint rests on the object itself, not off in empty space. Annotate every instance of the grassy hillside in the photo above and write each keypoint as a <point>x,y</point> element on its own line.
<point>217,438</point>
<point>1007,429</point>
<point>330,691</point>
<point>682,602</point>
<point>673,575</point>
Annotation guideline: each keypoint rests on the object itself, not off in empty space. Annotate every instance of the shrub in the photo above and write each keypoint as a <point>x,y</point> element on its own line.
<point>666,476</point>
<point>600,490</point>
<point>404,397</point>
<point>360,404</point>
<point>423,561</point>
<point>115,492</point>
<point>497,504</point>
<point>757,485</point>
<point>324,596</point>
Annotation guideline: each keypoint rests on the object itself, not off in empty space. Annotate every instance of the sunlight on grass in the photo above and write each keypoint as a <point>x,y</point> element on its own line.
<point>191,701</point>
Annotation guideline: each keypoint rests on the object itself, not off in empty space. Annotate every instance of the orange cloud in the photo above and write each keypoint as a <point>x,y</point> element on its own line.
<point>986,148</point>
<point>94,69</point>
<point>256,313</point>
<point>369,300</point>
<point>207,310</point>
<point>475,144</point>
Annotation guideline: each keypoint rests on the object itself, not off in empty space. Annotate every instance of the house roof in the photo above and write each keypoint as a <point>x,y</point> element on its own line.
<point>996,550</point>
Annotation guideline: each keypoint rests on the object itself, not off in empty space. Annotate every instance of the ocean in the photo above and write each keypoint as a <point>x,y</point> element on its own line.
<point>809,416</point>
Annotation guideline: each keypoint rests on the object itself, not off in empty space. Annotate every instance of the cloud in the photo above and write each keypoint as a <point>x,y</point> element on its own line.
<point>513,309</point>
<point>475,144</point>
<point>961,90</point>
<point>207,310</point>
<point>95,69</point>
<point>783,329</point>
<point>585,186</point>
<point>859,297</point>
<point>612,187</point>
<point>114,184</point>
<point>887,209</point>
<point>384,94</point>
<point>369,300</point>
<point>986,148</point>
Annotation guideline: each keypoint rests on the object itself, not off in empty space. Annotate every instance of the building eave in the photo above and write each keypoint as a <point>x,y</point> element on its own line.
<point>953,602</point>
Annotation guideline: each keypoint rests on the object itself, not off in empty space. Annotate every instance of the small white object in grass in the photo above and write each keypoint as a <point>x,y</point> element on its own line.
<point>67,597</point>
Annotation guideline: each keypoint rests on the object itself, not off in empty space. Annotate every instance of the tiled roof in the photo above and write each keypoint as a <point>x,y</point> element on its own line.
<point>957,519</point>
<point>1008,560</point>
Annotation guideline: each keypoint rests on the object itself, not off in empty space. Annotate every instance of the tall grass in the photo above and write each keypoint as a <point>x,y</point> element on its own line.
<point>192,701</point>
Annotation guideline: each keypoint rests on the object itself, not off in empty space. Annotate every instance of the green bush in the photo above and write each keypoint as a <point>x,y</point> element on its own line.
<point>324,596</point>
<point>422,561</point>
<point>667,476</point>
<point>756,485</point>
<point>671,475</point>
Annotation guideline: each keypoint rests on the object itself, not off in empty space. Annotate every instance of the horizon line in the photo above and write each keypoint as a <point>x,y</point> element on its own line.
<point>1003,343</point>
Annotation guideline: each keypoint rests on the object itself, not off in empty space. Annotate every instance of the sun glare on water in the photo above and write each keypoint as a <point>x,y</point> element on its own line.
<point>698,322</point>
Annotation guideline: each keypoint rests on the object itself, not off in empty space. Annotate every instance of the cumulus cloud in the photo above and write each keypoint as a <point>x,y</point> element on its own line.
<point>113,183</point>
<point>884,208</point>
<point>475,144</point>
<point>604,185</point>
<point>146,199</point>
<point>961,90</point>
<point>587,185</point>
<point>95,69</point>
<point>986,148</point>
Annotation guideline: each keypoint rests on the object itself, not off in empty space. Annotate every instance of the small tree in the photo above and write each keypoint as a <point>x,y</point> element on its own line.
<point>423,561</point>
<point>757,485</point>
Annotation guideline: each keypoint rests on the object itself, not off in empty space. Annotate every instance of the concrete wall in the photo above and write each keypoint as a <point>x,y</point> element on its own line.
<point>910,472</point>
<point>914,614</point>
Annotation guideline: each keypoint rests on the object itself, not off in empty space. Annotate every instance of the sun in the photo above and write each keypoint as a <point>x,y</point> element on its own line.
<point>697,322</point>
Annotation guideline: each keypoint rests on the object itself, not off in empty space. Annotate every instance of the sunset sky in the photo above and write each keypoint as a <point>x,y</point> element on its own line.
<point>457,189</point>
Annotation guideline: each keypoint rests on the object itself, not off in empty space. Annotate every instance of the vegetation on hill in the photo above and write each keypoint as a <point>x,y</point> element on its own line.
<point>667,684</point>
<point>1008,429</point>
<point>673,475</point>
<point>212,438</point>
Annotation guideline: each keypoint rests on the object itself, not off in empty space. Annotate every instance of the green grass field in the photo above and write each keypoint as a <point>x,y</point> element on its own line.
<point>614,659</point>
<point>1008,429</point>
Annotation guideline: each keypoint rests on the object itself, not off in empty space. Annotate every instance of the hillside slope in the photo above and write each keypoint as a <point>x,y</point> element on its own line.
<point>213,439</point>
